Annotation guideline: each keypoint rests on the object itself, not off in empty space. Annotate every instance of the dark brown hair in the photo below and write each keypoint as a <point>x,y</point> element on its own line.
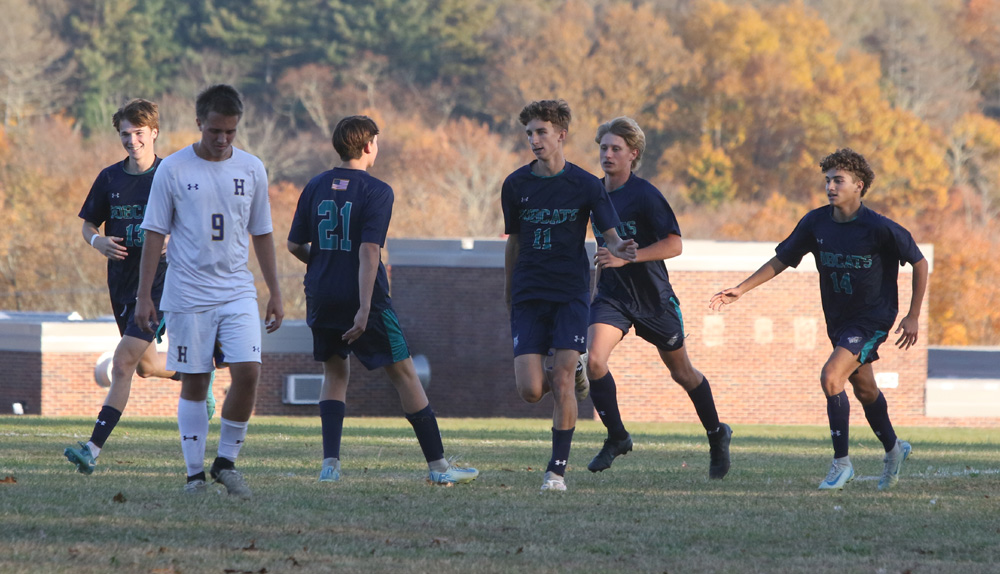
<point>850,161</point>
<point>138,112</point>
<point>351,136</point>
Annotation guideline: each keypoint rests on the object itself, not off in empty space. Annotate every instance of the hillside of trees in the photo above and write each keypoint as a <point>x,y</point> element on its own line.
<point>739,100</point>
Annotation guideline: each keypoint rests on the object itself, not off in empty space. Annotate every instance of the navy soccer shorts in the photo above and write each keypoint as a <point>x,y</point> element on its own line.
<point>125,317</point>
<point>381,344</point>
<point>861,341</point>
<point>664,331</point>
<point>537,326</point>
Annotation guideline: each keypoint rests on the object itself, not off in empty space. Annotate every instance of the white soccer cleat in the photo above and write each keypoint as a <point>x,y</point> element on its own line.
<point>893,462</point>
<point>553,482</point>
<point>841,472</point>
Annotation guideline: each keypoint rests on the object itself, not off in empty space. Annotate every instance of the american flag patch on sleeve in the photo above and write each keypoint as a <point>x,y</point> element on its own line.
<point>340,184</point>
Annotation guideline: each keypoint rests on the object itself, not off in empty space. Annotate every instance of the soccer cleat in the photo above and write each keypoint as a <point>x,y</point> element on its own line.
<point>81,457</point>
<point>553,482</point>
<point>612,449</point>
<point>234,482</point>
<point>196,486</point>
<point>582,382</point>
<point>841,472</point>
<point>454,475</point>
<point>210,398</point>
<point>718,451</point>
<point>331,470</point>
<point>893,462</point>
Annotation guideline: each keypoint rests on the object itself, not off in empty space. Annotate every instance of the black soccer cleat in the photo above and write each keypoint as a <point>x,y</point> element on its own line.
<point>718,451</point>
<point>611,449</point>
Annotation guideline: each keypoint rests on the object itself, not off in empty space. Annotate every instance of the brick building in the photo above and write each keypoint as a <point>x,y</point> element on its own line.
<point>762,356</point>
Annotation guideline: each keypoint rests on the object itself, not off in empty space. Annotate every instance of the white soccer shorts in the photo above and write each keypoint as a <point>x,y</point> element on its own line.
<point>193,336</point>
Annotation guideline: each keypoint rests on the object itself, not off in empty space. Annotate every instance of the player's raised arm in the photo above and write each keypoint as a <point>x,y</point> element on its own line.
<point>620,248</point>
<point>109,246</point>
<point>666,248</point>
<point>766,272</point>
<point>909,326</point>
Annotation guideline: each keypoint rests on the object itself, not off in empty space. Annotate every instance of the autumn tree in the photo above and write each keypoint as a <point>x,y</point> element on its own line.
<point>33,72</point>
<point>616,59</point>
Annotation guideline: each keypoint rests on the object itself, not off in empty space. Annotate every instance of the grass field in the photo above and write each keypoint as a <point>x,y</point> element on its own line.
<point>654,511</point>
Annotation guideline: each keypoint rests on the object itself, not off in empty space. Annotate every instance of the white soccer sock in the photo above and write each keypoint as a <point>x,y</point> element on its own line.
<point>94,449</point>
<point>192,421</point>
<point>439,465</point>
<point>231,436</point>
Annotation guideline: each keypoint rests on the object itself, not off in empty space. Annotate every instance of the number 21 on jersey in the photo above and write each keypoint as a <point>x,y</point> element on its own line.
<point>331,221</point>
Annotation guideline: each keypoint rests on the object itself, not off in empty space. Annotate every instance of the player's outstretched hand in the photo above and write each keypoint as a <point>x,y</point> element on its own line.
<point>909,327</point>
<point>725,297</point>
<point>111,247</point>
<point>145,315</point>
<point>360,322</point>
<point>605,259</point>
<point>274,314</point>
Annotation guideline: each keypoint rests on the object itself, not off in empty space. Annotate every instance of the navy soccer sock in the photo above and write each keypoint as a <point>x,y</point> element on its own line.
<point>838,409</point>
<point>331,418</point>
<point>704,405</point>
<point>107,419</point>
<point>877,414</point>
<point>425,426</point>
<point>561,442</point>
<point>604,394</point>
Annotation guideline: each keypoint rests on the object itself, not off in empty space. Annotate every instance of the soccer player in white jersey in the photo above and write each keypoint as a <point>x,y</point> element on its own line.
<point>211,198</point>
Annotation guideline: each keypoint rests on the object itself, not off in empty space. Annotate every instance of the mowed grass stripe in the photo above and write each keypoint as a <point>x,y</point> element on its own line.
<point>655,510</point>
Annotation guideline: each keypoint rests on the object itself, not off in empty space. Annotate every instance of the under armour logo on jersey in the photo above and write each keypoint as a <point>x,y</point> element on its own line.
<point>186,437</point>
<point>255,349</point>
<point>524,200</point>
<point>560,463</point>
<point>579,338</point>
<point>819,240</point>
<point>116,195</point>
<point>239,186</point>
<point>192,186</point>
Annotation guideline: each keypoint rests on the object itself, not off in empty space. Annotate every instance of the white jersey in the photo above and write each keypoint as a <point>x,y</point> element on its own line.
<point>209,209</point>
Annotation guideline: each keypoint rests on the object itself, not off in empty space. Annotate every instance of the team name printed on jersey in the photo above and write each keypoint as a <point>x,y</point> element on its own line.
<point>625,230</point>
<point>548,216</point>
<point>844,261</point>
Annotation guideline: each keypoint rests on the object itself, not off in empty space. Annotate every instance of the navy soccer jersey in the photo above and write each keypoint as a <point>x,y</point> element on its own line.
<point>858,264</point>
<point>642,288</point>
<point>550,217</point>
<point>338,211</point>
<point>118,201</point>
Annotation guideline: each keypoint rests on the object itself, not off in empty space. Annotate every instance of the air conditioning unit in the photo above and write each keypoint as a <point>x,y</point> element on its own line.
<point>302,389</point>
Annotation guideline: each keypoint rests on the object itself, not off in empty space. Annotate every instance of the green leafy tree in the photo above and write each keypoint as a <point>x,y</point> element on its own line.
<point>124,50</point>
